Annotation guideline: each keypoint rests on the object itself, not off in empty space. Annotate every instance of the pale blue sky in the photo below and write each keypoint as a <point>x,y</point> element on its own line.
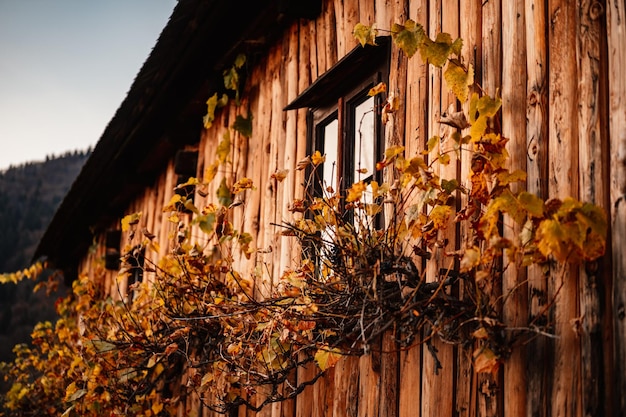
<point>65,67</point>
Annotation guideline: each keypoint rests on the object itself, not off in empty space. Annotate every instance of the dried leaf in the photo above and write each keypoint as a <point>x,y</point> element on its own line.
<point>381,87</point>
<point>280,175</point>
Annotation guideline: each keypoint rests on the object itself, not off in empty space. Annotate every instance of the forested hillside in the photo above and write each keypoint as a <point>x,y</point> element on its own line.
<point>29,196</point>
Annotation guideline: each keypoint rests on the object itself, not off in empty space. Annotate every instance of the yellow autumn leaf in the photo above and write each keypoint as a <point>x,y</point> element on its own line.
<point>173,203</point>
<point>223,148</point>
<point>326,358</point>
<point>533,205</point>
<point>157,407</point>
<point>381,87</point>
<point>317,158</point>
<point>459,79</point>
<point>242,184</point>
<point>366,35</point>
<point>130,220</point>
<point>551,239</point>
<point>440,215</point>
<point>211,171</point>
<point>355,192</point>
<point>393,151</point>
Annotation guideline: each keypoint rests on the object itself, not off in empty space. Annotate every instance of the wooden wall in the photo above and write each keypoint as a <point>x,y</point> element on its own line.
<point>560,67</point>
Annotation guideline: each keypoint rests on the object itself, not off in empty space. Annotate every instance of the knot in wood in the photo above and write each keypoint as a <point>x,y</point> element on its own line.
<point>532,98</point>
<point>533,149</point>
<point>596,10</point>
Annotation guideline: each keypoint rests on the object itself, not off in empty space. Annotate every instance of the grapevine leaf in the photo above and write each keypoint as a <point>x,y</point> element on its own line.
<point>206,222</point>
<point>130,220</point>
<point>172,204</point>
<point>366,35</point>
<point>437,52</point>
<point>595,218</point>
<point>355,192</point>
<point>459,79</point>
<point>327,358</point>
<point>224,194</point>
<point>505,177</point>
<point>471,259</point>
<point>240,61</point>
<point>449,186</point>
<point>243,125</point>
<point>551,239</point>
<point>223,149</point>
<point>317,158</point>
<point>242,184</point>
<point>393,151</point>
<point>211,171</point>
<point>531,203</point>
<point>432,143</point>
<point>408,37</point>
<point>440,216</point>
<point>231,78</point>
<point>213,103</point>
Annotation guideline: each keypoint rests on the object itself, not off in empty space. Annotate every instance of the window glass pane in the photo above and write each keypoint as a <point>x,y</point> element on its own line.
<point>364,144</point>
<point>331,135</point>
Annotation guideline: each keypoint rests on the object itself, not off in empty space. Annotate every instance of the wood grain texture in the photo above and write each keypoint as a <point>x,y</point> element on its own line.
<point>616,37</point>
<point>563,181</point>
<point>593,167</point>
<point>514,284</point>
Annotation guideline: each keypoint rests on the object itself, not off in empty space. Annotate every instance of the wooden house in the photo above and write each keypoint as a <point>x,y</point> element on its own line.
<point>559,67</point>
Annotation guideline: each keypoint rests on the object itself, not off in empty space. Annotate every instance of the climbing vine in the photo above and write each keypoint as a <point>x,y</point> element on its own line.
<point>205,328</point>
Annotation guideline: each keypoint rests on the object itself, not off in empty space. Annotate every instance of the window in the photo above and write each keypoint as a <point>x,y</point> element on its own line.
<point>349,135</point>
<point>343,122</point>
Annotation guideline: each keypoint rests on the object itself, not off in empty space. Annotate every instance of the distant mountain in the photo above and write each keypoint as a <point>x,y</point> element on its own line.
<point>29,196</point>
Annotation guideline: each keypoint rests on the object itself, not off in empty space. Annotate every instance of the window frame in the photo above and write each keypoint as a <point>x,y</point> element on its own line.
<point>335,95</point>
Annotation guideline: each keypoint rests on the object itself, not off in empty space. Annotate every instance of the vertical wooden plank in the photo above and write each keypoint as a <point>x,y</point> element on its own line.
<point>470,12</point>
<point>341,28</point>
<point>366,12</point>
<point>330,48</point>
<point>514,312</point>
<point>616,28</point>
<point>563,181</point>
<point>536,183</point>
<point>288,185</point>
<point>489,394</point>
<point>414,141</point>
<point>346,383</point>
<point>593,147</point>
<point>438,384</point>
<point>369,384</point>
<point>384,13</point>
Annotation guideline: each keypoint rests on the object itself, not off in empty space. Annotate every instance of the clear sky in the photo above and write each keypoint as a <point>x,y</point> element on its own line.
<point>65,67</point>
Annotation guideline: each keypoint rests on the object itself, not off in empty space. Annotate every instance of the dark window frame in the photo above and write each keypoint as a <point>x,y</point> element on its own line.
<point>335,95</point>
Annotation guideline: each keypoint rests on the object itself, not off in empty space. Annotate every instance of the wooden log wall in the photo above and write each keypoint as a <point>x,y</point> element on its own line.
<point>560,67</point>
